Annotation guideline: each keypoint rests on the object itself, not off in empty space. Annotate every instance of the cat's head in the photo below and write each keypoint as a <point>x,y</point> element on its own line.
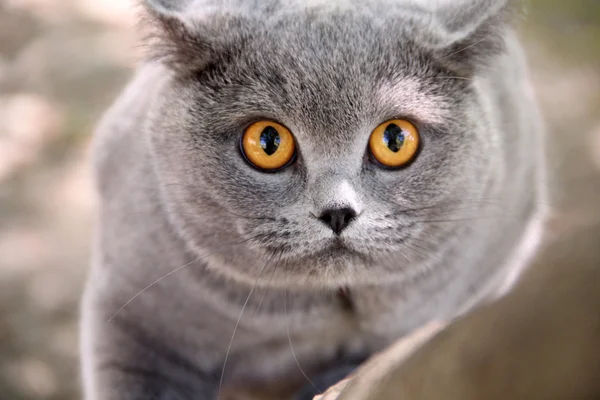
<point>328,142</point>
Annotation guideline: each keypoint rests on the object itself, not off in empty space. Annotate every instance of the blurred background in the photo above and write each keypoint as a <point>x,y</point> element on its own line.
<point>62,62</point>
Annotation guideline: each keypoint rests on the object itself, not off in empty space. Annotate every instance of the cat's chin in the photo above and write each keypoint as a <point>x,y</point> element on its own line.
<point>337,263</point>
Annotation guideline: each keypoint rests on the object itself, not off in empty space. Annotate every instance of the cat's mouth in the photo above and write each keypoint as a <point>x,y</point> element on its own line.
<point>331,251</point>
<point>338,248</point>
<point>338,244</point>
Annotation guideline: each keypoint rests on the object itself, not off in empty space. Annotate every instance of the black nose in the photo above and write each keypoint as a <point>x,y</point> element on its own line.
<point>338,219</point>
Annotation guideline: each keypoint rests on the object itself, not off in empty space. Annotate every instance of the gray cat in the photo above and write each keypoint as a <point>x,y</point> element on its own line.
<point>288,187</point>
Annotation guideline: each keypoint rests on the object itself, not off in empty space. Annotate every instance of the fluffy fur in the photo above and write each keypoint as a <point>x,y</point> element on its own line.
<point>202,261</point>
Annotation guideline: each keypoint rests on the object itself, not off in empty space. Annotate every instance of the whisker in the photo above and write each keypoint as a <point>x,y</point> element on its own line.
<point>476,218</point>
<point>459,212</point>
<point>454,77</point>
<point>392,257</point>
<point>463,206</point>
<point>268,284</point>
<point>464,203</point>
<point>169,274</point>
<point>292,347</point>
<point>416,250</point>
<point>256,218</point>
<point>152,284</point>
<point>486,37</point>
<point>422,252</point>
<point>237,323</point>
<point>193,214</point>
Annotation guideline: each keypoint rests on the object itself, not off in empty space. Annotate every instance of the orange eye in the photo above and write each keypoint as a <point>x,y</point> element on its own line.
<point>268,145</point>
<point>394,143</point>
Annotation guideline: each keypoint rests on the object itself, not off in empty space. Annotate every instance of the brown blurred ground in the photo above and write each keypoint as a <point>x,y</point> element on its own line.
<point>61,64</point>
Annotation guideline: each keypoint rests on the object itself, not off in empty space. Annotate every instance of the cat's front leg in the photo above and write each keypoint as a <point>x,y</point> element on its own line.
<point>124,360</point>
<point>119,382</point>
<point>324,381</point>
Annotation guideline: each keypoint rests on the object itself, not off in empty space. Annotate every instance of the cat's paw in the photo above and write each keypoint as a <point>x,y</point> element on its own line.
<point>372,372</point>
<point>333,392</point>
<point>324,381</point>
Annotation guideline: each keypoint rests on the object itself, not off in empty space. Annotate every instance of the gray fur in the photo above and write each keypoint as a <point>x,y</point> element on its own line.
<point>190,235</point>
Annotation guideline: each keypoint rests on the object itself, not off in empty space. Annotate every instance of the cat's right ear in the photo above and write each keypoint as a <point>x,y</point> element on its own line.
<point>467,34</point>
<point>179,34</point>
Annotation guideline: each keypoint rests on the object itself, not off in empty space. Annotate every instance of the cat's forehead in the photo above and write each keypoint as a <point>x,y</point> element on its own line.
<point>329,72</point>
<point>437,22</point>
<point>200,7</point>
<point>204,7</point>
<point>342,71</point>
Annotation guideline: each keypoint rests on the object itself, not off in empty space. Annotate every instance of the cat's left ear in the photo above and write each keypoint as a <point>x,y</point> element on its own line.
<point>467,34</point>
<point>183,34</point>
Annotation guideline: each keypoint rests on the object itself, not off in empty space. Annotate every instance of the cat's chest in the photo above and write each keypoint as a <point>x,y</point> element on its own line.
<point>368,318</point>
<point>375,316</point>
<point>372,311</point>
<point>346,325</point>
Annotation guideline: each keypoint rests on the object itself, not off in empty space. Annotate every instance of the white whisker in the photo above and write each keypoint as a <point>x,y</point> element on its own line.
<point>292,347</point>
<point>466,47</point>
<point>167,275</point>
<point>237,323</point>
<point>150,285</point>
<point>268,285</point>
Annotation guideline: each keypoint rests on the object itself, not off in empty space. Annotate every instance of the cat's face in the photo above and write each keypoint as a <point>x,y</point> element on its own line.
<point>331,80</point>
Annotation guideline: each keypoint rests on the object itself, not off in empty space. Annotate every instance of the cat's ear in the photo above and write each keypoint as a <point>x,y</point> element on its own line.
<point>466,34</point>
<point>179,33</point>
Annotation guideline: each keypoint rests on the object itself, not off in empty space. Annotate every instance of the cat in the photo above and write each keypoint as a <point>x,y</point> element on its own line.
<point>287,187</point>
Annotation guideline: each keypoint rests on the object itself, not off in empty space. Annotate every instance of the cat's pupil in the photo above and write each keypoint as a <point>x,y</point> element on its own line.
<point>269,140</point>
<point>393,137</point>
